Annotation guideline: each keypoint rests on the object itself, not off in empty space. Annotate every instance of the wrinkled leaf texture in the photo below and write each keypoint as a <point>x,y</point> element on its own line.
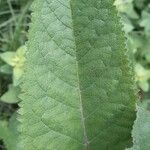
<point>78,90</point>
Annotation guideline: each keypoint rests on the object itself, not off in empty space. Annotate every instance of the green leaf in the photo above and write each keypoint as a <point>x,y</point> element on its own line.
<point>145,22</point>
<point>12,140</point>
<point>6,69</point>
<point>78,86</point>
<point>140,3</point>
<point>3,129</point>
<point>9,132</point>
<point>11,96</point>
<point>7,57</point>
<point>126,6</point>
<point>141,129</point>
<point>142,77</point>
<point>128,27</point>
<point>17,75</point>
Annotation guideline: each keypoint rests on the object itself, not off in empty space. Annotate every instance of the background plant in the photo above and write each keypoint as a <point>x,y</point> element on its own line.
<point>14,19</point>
<point>136,19</point>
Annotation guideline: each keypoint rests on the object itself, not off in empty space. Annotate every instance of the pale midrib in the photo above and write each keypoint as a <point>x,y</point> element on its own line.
<point>86,142</point>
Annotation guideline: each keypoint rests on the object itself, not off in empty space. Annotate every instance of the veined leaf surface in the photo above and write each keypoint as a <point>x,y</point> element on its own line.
<point>78,86</point>
<point>141,128</point>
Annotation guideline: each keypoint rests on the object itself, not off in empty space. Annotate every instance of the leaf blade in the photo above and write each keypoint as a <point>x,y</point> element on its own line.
<point>81,64</point>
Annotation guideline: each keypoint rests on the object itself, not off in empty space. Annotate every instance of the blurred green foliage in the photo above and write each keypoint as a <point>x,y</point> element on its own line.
<point>14,24</point>
<point>141,128</point>
<point>135,16</point>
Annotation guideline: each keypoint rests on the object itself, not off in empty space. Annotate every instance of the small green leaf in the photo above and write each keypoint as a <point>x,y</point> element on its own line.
<point>6,69</point>
<point>126,6</point>
<point>141,129</point>
<point>9,132</point>
<point>11,96</point>
<point>17,74</point>
<point>128,27</point>
<point>7,57</point>
<point>18,63</point>
<point>142,75</point>
<point>145,22</point>
<point>3,129</point>
<point>19,58</point>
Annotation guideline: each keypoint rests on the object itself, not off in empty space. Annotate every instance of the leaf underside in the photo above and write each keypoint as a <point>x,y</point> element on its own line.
<point>78,86</point>
<point>141,128</point>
